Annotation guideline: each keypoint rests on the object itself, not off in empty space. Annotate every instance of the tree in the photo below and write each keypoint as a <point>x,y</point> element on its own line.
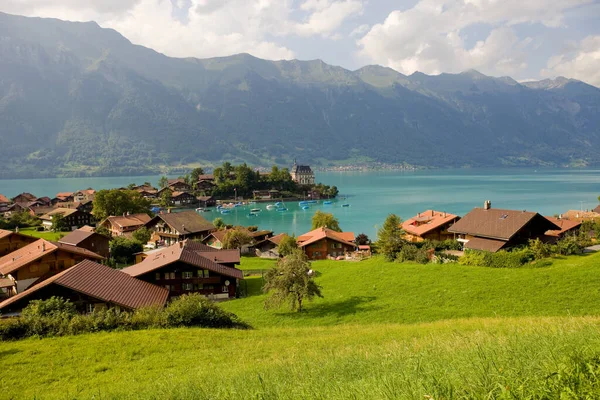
<point>236,238</point>
<point>123,249</point>
<point>291,280</point>
<point>119,202</point>
<point>58,222</point>
<point>195,176</point>
<point>322,219</point>
<point>142,235</point>
<point>389,237</point>
<point>102,230</point>
<point>163,182</point>
<point>362,239</point>
<point>219,223</point>
<point>287,245</point>
<point>165,197</point>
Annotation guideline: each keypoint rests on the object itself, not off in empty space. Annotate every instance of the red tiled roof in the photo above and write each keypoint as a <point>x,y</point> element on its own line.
<point>564,224</point>
<point>427,221</point>
<point>129,220</point>
<point>103,283</point>
<point>322,233</point>
<point>581,215</point>
<point>33,251</point>
<point>4,199</point>
<point>190,253</point>
<point>597,209</point>
<point>64,194</point>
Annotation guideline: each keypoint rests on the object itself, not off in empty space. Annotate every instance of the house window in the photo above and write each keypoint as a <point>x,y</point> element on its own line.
<point>188,275</point>
<point>157,276</point>
<point>333,245</point>
<point>224,289</point>
<point>89,308</point>
<point>188,286</point>
<point>339,245</point>
<point>172,275</point>
<point>168,287</point>
<point>167,275</point>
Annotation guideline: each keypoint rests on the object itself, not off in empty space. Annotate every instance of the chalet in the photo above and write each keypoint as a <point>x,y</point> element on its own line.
<point>429,225</point>
<point>10,209</point>
<point>84,195</point>
<point>182,198</point>
<point>178,185</point>
<point>302,174</point>
<point>89,240</point>
<point>267,248</point>
<point>85,206</point>
<point>45,201</point>
<point>576,215</point>
<point>205,185</point>
<point>206,201</point>
<point>24,198</point>
<point>64,197</point>
<point>191,267</point>
<point>567,227</point>
<point>40,260</point>
<point>174,227</point>
<point>4,201</point>
<point>73,218</point>
<point>126,224</point>
<point>11,241</point>
<point>91,287</point>
<point>147,191</point>
<point>490,229</point>
<point>215,239</point>
<point>596,210</point>
<point>39,211</point>
<point>322,243</point>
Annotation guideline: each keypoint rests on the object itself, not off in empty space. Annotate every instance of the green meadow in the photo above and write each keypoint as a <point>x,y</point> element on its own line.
<point>382,331</point>
<point>54,236</point>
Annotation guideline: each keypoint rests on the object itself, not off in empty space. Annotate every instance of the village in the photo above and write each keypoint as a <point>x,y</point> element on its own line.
<point>180,252</point>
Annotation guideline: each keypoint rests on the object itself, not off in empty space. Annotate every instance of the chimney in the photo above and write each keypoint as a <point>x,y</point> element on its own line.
<point>124,214</point>
<point>432,213</point>
<point>487,205</point>
<point>168,211</point>
<point>43,246</point>
<point>181,245</point>
<point>17,229</point>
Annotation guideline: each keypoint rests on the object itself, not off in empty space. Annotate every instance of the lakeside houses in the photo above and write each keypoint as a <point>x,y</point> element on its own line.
<point>72,218</point>
<point>85,206</point>
<point>40,260</point>
<point>39,211</point>
<point>4,201</point>
<point>567,227</point>
<point>266,194</point>
<point>206,201</point>
<point>491,229</point>
<point>323,243</point>
<point>11,241</point>
<point>597,209</point>
<point>63,197</point>
<point>429,225</point>
<point>216,239</point>
<point>579,215</point>
<point>126,224</point>
<point>267,248</point>
<point>191,267</point>
<point>171,228</point>
<point>147,191</point>
<point>88,239</point>
<point>302,174</point>
<point>177,185</point>
<point>182,198</point>
<point>24,198</point>
<point>84,195</point>
<point>91,287</point>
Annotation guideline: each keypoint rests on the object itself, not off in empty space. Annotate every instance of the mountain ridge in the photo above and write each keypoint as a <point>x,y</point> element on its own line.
<point>78,99</point>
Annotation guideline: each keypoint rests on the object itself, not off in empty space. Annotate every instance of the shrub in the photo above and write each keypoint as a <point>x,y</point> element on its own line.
<point>195,310</point>
<point>410,252</point>
<point>11,329</point>
<point>501,259</point>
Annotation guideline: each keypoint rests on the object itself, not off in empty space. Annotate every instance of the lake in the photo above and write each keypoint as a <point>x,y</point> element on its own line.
<point>373,195</point>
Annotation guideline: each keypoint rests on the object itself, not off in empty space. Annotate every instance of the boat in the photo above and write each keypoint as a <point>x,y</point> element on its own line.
<point>253,214</point>
<point>327,202</point>
<point>305,207</point>
<point>345,205</point>
<point>271,206</point>
<point>225,211</point>
<point>251,202</point>
<point>312,202</point>
<point>255,210</point>
<point>303,203</point>
<point>278,204</point>
<point>201,209</point>
<point>281,209</point>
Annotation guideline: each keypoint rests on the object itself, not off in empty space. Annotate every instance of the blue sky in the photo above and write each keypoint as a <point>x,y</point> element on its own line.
<point>525,39</point>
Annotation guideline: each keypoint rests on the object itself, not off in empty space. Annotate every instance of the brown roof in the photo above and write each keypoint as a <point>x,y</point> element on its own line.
<point>496,223</point>
<point>27,196</point>
<point>36,250</point>
<point>185,222</point>
<point>64,211</point>
<point>87,228</point>
<point>189,252</point>
<point>76,237</point>
<point>103,283</point>
<point>206,177</point>
<point>564,224</point>
<point>4,199</point>
<point>4,233</point>
<point>483,244</point>
<point>6,282</point>
<point>129,220</point>
<point>322,233</point>
<point>581,215</point>
<point>597,209</point>
<point>177,194</point>
<point>64,194</point>
<point>426,222</point>
<point>204,198</point>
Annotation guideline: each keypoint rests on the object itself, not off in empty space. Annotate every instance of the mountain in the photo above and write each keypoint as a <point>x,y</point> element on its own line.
<point>77,99</point>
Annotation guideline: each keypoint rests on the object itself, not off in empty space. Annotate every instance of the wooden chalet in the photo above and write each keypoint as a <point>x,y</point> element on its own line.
<point>182,198</point>
<point>63,197</point>
<point>11,241</point>
<point>490,229</point>
<point>24,198</point>
<point>215,239</point>
<point>85,206</point>
<point>45,201</point>
<point>170,228</point>
<point>4,201</point>
<point>597,209</point>
<point>567,227</point>
<point>429,225</point>
<point>206,201</point>
<point>40,260</point>
<point>84,195</point>
<point>39,211</point>
<point>191,267</point>
<point>578,215</point>
<point>178,185</point>
<point>323,243</point>
<point>205,185</point>
<point>267,248</point>
<point>73,218</point>
<point>91,287</point>
<point>126,224</point>
<point>89,240</point>
<point>13,208</point>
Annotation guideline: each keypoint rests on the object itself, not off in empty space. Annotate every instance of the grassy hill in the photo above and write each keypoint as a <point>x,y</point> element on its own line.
<point>383,330</point>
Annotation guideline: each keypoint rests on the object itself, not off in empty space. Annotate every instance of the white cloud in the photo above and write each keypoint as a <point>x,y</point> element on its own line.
<point>429,36</point>
<point>210,28</point>
<point>580,62</point>
<point>360,30</point>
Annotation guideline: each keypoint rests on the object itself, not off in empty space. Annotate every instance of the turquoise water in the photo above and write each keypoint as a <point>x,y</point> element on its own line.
<point>374,195</point>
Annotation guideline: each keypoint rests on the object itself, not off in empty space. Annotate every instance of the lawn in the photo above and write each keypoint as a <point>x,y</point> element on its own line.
<point>382,330</point>
<point>54,236</point>
<point>374,291</point>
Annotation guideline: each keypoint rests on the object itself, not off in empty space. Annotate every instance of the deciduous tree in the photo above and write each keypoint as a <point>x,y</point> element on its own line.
<point>163,182</point>
<point>165,198</point>
<point>362,239</point>
<point>327,220</point>
<point>236,238</point>
<point>287,245</point>
<point>118,202</point>
<point>142,235</point>
<point>291,281</point>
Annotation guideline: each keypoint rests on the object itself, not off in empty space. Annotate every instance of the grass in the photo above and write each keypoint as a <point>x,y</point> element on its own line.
<point>53,236</point>
<point>383,330</point>
<point>374,292</point>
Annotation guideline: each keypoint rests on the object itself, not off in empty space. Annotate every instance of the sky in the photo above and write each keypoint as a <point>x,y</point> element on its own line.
<point>524,39</point>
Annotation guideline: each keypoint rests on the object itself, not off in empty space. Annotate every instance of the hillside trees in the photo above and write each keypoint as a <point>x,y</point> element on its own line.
<point>291,281</point>
<point>327,220</point>
<point>119,202</point>
<point>235,239</point>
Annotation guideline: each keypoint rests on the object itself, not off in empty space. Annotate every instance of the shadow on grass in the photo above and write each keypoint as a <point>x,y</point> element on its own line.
<point>336,309</point>
<point>6,353</point>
